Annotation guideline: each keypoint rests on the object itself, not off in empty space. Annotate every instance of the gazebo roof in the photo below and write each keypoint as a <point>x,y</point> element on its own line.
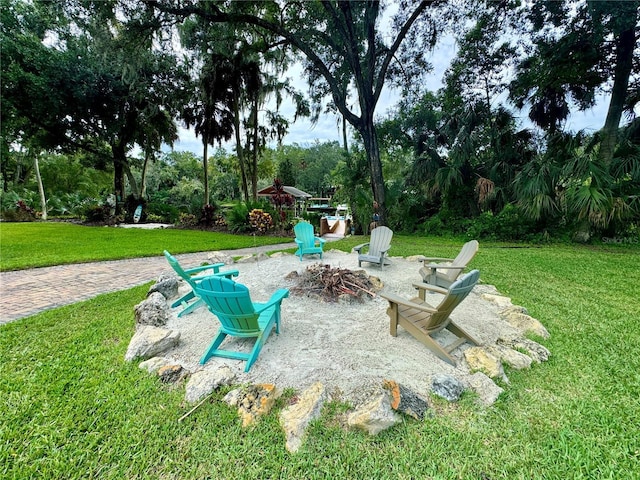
<point>293,191</point>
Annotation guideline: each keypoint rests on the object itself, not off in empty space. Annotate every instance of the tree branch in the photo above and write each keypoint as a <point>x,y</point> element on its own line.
<point>396,44</point>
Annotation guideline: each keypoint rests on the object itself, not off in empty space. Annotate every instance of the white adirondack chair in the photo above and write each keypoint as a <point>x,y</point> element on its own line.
<point>375,251</point>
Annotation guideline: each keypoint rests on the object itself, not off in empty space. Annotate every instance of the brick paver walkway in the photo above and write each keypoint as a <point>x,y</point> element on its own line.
<point>26,292</point>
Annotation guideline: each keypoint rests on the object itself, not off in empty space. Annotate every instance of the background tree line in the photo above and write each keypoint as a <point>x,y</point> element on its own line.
<point>86,82</point>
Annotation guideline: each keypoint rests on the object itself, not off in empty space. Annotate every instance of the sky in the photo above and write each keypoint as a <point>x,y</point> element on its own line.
<point>328,127</point>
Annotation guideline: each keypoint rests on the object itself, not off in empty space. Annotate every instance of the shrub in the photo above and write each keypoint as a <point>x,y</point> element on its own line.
<point>152,218</point>
<point>187,220</point>
<point>159,209</point>
<point>21,213</point>
<point>238,217</point>
<point>313,218</point>
<point>445,223</point>
<point>208,214</point>
<point>507,225</point>
<point>260,220</point>
<point>94,213</point>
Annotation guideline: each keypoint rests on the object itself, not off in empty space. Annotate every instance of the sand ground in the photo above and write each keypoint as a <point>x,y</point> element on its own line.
<point>346,346</point>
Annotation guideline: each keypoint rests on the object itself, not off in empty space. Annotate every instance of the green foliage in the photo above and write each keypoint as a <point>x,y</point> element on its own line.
<point>313,218</point>
<point>70,182</point>
<point>8,201</point>
<point>572,61</point>
<point>508,225</point>
<point>94,213</point>
<point>20,213</point>
<point>162,210</point>
<point>309,167</point>
<point>239,220</point>
<point>286,172</point>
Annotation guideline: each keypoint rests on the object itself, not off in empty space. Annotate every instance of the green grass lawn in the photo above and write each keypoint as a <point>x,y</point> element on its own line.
<point>42,244</point>
<point>72,408</point>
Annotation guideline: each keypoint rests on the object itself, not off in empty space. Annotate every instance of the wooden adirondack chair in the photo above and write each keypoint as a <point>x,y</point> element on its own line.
<point>308,243</point>
<point>422,320</point>
<point>444,274</point>
<point>190,301</point>
<point>239,316</point>
<point>377,247</point>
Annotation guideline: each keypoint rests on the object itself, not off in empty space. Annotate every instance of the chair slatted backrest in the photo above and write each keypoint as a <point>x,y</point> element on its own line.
<point>173,261</point>
<point>231,303</point>
<point>467,252</point>
<point>457,293</point>
<point>380,241</point>
<point>304,233</point>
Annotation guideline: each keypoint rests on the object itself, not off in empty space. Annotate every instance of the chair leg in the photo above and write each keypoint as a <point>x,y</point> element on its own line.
<point>185,298</point>
<point>435,348</point>
<point>277,322</point>
<point>213,347</point>
<point>392,311</point>
<point>190,308</point>
<point>253,356</point>
<point>458,331</point>
<point>262,338</point>
<point>427,341</point>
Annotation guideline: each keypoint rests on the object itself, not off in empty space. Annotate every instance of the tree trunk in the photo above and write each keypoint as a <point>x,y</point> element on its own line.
<point>205,166</point>
<point>143,178</point>
<point>344,135</point>
<point>625,44</point>
<point>369,136</point>
<point>43,199</point>
<point>240,154</point>
<point>133,185</point>
<point>254,155</point>
<point>119,160</point>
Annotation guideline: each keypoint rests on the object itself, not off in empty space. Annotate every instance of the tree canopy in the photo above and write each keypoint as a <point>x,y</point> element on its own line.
<point>107,78</point>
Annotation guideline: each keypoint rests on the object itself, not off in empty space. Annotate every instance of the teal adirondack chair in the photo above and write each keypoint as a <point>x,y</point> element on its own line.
<point>190,301</point>
<point>376,249</point>
<point>239,316</point>
<point>308,243</point>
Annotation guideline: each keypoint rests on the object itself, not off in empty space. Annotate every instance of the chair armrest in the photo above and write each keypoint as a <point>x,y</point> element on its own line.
<point>385,250</point>
<point>298,242</point>
<point>277,297</point>
<point>433,288</point>
<point>391,298</point>
<point>442,267</point>
<point>224,273</point>
<point>228,273</point>
<point>213,266</point>
<point>357,248</point>
<point>321,240</point>
<point>436,259</point>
